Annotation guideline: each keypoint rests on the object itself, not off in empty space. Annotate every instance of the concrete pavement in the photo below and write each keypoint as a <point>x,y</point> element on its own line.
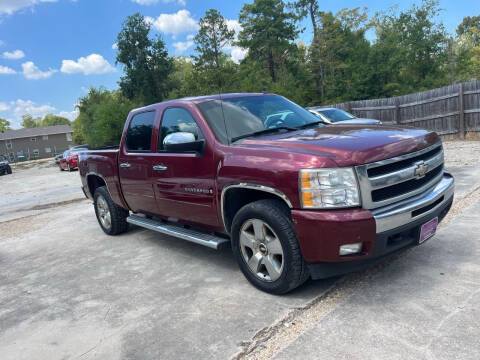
<point>422,306</point>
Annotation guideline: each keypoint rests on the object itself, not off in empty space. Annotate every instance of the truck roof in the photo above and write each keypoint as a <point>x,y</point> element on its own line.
<point>200,99</point>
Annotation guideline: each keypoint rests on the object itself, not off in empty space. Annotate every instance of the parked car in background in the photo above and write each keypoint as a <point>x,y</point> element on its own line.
<point>69,160</point>
<point>4,166</point>
<point>297,200</point>
<point>57,159</point>
<point>338,116</point>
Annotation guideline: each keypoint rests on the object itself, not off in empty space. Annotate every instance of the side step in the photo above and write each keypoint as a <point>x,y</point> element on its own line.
<point>205,239</point>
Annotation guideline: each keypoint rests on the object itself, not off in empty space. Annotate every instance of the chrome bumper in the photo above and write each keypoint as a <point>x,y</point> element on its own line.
<point>401,213</point>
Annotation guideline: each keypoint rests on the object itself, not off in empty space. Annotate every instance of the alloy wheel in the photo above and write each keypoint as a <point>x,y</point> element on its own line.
<point>261,250</point>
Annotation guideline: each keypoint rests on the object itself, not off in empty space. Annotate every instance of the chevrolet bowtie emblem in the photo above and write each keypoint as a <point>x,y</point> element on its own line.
<point>420,169</point>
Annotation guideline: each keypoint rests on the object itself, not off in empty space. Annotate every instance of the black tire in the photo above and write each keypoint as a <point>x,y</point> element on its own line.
<point>118,215</point>
<point>9,169</point>
<point>277,216</point>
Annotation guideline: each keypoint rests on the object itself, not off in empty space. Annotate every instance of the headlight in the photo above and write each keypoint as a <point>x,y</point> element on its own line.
<point>328,188</point>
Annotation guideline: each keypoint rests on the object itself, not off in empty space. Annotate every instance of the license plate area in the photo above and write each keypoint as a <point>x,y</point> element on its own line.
<point>427,230</point>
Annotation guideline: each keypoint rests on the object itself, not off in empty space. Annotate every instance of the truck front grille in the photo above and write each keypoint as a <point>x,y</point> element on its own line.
<point>391,180</point>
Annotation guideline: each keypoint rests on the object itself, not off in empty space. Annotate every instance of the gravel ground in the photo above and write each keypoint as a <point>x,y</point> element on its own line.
<point>459,153</point>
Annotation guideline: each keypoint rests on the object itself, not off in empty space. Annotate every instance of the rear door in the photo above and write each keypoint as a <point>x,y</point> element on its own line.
<point>135,163</point>
<point>184,182</point>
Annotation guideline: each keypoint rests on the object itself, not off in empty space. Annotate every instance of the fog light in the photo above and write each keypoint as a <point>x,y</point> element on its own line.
<point>349,249</point>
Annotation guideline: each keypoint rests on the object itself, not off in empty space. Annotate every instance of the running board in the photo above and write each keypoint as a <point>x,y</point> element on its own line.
<point>197,237</point>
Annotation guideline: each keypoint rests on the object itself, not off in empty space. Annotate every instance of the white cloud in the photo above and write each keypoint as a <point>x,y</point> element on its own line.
<point>31,72</point>
<point>92,64</point>
<point>5,70</point>
<point>114,46</point>
<point>182,46</point>
<point>2,42</point>
<point>150,2</point>
<point>238,54</point>
<point>14,110</point>
<point>70,115</point>
<point>4,107</point>
<point>10,6</point>
<point>177,23</point>
<point>14,55</point>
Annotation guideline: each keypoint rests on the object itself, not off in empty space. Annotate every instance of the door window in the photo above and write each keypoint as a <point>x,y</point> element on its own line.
<point>139,134</point>
<point>178,120</point>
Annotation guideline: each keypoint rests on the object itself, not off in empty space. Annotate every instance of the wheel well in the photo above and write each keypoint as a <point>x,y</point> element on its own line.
<point>234,199</point>
<point>94,182</point>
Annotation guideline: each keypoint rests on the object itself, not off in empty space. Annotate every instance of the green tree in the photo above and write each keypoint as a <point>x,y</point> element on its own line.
<point>30,122</point>
<point>268,32</point>
<point>413,49</point>
<point>4,125</point>
<point>309,8</point>
<point>101,118</point>
<point>213,36</point>
<point>51,120</point>
<point>470,26</point>
<point>146,63</point>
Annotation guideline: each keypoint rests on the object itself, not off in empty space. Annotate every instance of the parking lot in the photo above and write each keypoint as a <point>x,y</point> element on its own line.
<point>68,291</point>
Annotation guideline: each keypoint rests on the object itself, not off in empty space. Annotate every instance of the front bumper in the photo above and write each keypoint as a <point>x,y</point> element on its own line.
<point>382,231</point>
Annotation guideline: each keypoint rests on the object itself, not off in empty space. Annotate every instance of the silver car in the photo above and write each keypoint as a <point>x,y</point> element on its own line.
<point>338,116</point>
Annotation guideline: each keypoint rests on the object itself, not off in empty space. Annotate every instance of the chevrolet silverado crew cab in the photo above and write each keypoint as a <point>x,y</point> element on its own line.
<point>295,198</point>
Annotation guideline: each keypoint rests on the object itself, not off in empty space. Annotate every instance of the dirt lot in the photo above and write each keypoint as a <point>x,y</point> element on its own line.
<point>67,291</point>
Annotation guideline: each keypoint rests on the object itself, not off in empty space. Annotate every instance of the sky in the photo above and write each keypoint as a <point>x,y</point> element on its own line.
<point>52,51</point>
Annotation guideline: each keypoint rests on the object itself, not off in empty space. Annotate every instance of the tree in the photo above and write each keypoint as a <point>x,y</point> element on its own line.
<point>51,120</point>
<point>147,65</point>
<point>268,32</point>
<point>309,8</point>
<point>212,37</point>
<point>470,26</point>
<point>413,48</point>
<point>101,118</point>
<point>4,125</point>
<point>30,122</point>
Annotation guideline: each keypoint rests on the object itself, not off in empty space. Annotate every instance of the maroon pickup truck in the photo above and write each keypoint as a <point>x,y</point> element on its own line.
<point>296,198</point>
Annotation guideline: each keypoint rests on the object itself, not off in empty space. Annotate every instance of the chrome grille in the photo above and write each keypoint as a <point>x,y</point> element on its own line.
<point>387,181</point>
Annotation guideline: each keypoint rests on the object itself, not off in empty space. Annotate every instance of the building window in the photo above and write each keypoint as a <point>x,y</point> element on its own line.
<point>9,144</point>
<point>69,136</point>
<point>45,137</point>
<point>48,150</point>
<point>33,139</point>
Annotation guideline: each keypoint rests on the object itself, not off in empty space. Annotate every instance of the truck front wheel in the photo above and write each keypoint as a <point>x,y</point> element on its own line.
<point>112,218</point>
<point>9,169</point>
<point>265,246</point>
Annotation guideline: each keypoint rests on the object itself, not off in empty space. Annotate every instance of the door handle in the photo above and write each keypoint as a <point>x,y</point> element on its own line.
<point>124,165</point>
<point>159,167</point>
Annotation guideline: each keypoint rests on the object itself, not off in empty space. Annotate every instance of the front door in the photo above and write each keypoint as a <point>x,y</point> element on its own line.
<point>135,164</point>
<point>184,182</point>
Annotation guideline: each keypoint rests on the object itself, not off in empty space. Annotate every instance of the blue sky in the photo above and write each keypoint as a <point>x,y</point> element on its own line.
<point>52,51</point>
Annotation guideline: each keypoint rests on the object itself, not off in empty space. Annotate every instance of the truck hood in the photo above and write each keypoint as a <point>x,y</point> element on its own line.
<point>348,145</point>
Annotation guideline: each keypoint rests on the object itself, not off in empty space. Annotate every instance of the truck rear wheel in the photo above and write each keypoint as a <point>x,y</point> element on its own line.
<point>266,248</point>
<point>111,217</point>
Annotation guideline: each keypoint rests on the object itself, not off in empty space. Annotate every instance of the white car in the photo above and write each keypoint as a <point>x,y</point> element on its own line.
<point>338,116</point>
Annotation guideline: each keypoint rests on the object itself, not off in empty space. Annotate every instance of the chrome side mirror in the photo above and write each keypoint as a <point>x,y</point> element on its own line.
<point>178,138</point>
<point>182,142</point>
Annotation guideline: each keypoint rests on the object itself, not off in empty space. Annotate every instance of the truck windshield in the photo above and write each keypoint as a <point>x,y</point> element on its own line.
<point>238,117</point>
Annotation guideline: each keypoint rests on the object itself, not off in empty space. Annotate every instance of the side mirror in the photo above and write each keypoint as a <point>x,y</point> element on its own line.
<point>182,142</point>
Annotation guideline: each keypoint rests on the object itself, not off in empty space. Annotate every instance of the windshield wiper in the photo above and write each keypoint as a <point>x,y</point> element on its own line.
<point>304,126</point>
<point>263,132</point>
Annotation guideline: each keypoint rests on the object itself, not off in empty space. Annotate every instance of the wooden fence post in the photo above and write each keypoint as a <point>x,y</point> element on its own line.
<point>397,111</point>
<point>461,112</point>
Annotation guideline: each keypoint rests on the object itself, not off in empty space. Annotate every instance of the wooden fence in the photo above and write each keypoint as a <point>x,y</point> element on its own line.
<point>451,111</point>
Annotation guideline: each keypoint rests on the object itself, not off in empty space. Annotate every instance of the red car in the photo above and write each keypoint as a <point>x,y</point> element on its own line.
<point>295,197</point>
<point>69,161</point>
